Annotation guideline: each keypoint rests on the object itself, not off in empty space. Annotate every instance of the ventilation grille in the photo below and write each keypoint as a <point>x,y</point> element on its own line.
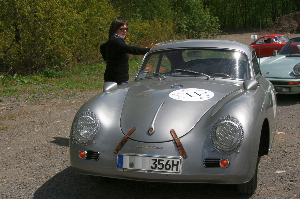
<point>211,163</point>
<point>92,155</point>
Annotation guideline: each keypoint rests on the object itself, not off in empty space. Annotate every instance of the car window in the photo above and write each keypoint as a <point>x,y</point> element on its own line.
<point>193,62</point>
<point>261,41</point>
<point>255,63</point>
<point>158,63</point>
<point>265,40</point>
<point>281,38</point>
<point>268,40</point>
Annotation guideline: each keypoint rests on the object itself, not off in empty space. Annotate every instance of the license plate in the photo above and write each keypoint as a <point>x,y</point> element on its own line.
<point>285,89</point>
<point>146,163</point>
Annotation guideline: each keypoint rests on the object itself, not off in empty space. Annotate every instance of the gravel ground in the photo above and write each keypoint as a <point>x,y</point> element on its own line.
<point>34,161</point>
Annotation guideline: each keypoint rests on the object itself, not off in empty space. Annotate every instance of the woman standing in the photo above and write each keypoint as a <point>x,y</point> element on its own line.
<point>115,53</point>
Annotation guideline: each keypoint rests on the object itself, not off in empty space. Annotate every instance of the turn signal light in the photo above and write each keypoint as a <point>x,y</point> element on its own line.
<point>293,83</point>
<point>224,163</point>
<point>82,154</point>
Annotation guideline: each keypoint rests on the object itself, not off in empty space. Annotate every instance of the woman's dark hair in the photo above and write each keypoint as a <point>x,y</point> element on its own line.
<point>117,23</point>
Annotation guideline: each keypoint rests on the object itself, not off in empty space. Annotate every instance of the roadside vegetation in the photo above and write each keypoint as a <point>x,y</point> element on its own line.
<point>50,83</point>
<point>49,47</point>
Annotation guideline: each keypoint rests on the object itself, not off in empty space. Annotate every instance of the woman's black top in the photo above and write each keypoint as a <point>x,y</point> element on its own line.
<point>115,52</point>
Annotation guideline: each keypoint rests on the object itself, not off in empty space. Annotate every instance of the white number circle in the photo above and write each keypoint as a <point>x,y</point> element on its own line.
<point>191,94</point>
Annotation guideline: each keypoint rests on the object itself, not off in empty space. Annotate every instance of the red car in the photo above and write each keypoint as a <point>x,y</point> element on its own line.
<point>265,45</point>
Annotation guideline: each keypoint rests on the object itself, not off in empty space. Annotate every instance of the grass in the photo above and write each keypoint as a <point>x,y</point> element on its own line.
<point>53,83</point>
<point>3,127</point>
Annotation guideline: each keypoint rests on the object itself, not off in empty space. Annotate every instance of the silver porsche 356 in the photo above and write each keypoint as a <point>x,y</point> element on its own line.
<point>198,111</point>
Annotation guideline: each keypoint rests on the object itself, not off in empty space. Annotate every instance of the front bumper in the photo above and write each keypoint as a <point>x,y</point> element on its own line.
<point>286,86</point>
<point>200,166</point>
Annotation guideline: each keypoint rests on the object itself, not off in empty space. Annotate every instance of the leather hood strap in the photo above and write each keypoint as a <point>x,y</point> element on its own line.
<point>178,143</point>
<point>124,140</point>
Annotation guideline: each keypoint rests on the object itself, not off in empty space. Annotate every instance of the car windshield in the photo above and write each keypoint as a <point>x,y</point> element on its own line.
<point>292,47</point>
<point>195,62</point>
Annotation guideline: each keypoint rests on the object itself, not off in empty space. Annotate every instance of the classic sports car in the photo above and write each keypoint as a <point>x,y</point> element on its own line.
<point>283,70</point>
<point>198,111</point>
<point>265,45</point>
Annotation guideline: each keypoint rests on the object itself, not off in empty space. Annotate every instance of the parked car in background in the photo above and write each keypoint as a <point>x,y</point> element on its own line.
<point>265,45</point>
<point>283,70</point>
<point>198,111</point>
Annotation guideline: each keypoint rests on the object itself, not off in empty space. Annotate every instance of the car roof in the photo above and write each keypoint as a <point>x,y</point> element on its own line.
<point>272,35</point>
<point>205,43</point>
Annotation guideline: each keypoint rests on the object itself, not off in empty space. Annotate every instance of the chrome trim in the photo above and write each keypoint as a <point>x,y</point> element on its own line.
<point>149,147</point>
<point>151,128</point>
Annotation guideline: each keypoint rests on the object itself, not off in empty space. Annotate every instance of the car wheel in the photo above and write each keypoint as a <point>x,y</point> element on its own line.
<point>249,187</point>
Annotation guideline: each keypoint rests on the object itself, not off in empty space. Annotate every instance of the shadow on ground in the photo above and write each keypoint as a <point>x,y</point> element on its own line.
<point>61,141</point>
<point>68,184</point>
<point>288,99</point>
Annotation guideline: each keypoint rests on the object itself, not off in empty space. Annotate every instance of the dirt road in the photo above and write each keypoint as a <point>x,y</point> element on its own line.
<point>34,161</point>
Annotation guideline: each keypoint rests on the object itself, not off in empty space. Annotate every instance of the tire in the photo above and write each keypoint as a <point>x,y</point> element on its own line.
<point>249,187</point>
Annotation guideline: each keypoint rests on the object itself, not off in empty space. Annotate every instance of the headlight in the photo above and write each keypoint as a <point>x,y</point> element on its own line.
<point>85,128</point>
<point>296,69</point>
<point>227,135</point>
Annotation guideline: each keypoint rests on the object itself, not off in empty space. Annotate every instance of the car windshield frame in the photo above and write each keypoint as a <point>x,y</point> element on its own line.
<point>219,63</point>
<point>292,47</point>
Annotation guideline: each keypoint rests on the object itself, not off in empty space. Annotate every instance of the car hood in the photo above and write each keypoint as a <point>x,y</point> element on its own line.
<point>165,106</point>
<point>279,66</point>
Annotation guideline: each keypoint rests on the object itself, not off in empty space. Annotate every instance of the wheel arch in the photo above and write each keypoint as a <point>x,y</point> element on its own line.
<point>264,139</point>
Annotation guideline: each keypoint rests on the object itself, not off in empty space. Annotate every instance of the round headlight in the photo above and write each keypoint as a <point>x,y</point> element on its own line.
<point>227,135</point>
<point>85,128</point>
<point>296,69</point>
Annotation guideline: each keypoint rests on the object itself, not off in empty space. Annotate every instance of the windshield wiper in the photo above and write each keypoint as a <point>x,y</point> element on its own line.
<point>191,72</point>
<point>158,75</point>
<point>186,71</point>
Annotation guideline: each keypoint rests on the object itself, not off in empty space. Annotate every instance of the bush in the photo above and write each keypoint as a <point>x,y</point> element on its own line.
<point>37,34</point>
<point>149,32</point>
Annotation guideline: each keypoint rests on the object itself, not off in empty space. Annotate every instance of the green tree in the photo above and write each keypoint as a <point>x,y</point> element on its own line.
<point>187,18</point>
<point>192,20</point>
<point>144,9</point>
<point>37,34</point>
<point>246,14</point>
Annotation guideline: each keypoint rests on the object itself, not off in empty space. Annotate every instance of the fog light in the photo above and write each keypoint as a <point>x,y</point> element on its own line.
<point>224,163</point>
<point>82,154</point>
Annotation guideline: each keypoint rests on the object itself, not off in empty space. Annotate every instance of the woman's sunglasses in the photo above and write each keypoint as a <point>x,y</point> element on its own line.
<point>122,29</point>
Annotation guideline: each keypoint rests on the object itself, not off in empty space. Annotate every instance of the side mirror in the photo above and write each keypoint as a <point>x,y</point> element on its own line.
<point>275,52</point>
<point>250,85</point>
<point>110,86</point>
